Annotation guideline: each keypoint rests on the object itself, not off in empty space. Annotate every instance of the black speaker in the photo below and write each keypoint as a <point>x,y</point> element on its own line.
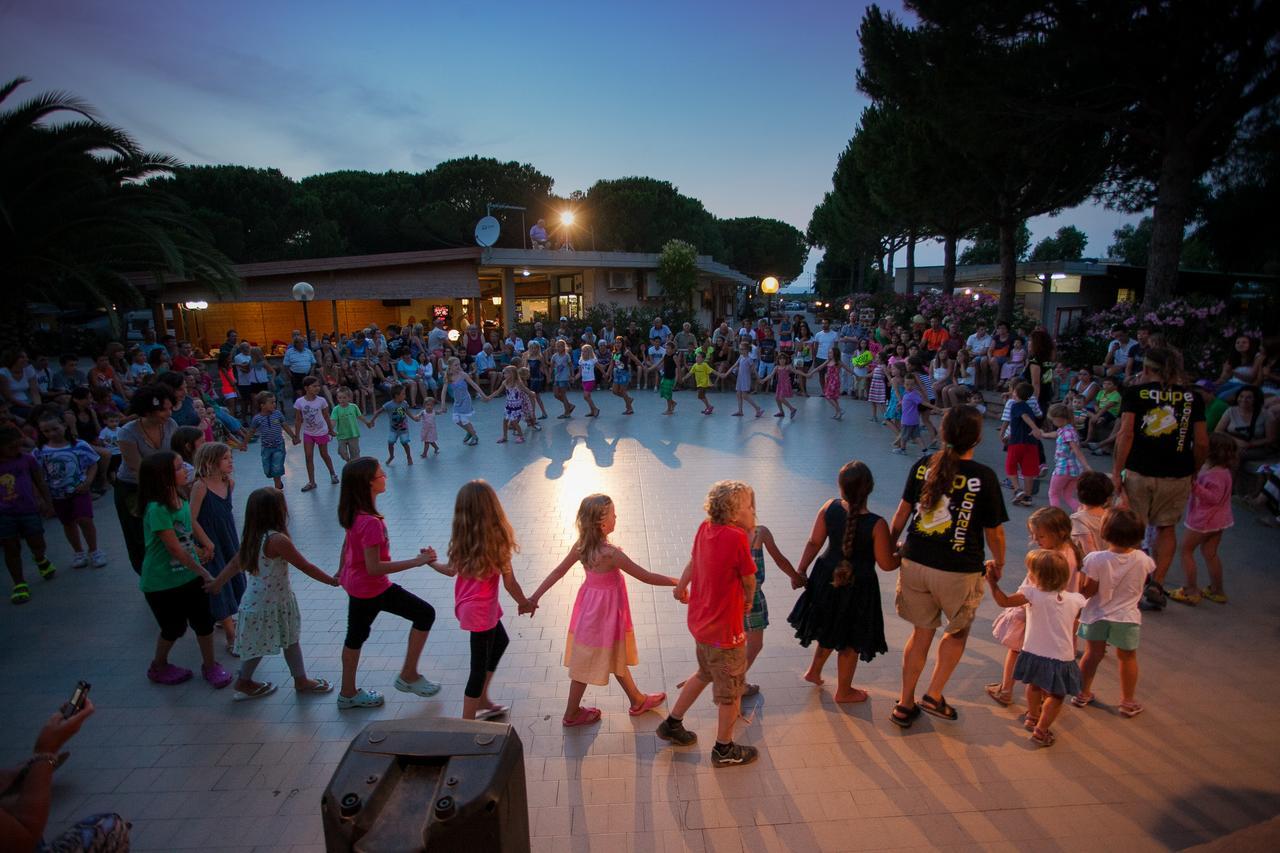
<point>429,785</point>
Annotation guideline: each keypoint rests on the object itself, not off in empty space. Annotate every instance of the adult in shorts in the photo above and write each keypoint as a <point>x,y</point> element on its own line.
<point>951,508</point>
<point>1160,444</point>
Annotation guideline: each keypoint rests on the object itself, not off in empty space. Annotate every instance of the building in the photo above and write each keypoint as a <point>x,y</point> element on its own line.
<point>1061,292</point>
<point>471,285</point>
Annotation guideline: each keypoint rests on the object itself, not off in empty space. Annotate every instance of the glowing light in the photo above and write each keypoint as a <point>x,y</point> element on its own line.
<point>497,300</point>
<point>466,302</point>
<point>847,306</point>
<point>454,335</point>
<point>525,273</point>
<point>567,217</point>
<point>769,285</point>
<point>196,306</point>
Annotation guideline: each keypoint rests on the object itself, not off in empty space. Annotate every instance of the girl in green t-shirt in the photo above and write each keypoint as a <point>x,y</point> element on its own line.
<point>173,580</point>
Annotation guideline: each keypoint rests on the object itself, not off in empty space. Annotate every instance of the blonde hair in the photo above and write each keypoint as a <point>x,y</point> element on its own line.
<point>1055,522</point>
<point>482,540</point>
<point>523,373</point>
<point>208,457</point>
<point>1048,570</point>
<point>591,538</point>
<point>256,353</point>
<point>588,352</point>
<point>453,363</point>
<point>724,499</point>
<point>535,348</point>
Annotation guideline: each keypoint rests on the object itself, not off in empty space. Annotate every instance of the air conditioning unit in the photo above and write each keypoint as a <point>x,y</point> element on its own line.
<point>620,280</point>
<point>649,288</point>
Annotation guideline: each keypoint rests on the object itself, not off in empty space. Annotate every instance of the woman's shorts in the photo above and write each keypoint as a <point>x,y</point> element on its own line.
<point>621,377</point>
<point>588,385</point>
<point>924,594</point>
<point>321,439</point>
<point>72,508</point>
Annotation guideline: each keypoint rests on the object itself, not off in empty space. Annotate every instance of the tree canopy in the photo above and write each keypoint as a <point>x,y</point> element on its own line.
<point>1066,245</point>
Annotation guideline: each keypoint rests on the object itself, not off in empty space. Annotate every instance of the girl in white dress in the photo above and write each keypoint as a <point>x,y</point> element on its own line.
<point>269,617</point>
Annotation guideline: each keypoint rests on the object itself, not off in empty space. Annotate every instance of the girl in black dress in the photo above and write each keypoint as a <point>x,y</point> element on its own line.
<point>840,606</point>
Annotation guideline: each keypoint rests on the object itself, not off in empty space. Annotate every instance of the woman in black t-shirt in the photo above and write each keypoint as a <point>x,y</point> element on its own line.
<point>955,511</point>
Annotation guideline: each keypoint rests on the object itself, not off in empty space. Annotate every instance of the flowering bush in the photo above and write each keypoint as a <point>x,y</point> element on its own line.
<point>966,310</point>
<point>1202,328</point>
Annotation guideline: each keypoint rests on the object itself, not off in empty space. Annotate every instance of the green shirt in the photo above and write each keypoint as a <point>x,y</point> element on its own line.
<point>346,420</point>
<point>1108,401</point>
<point>160,571</point>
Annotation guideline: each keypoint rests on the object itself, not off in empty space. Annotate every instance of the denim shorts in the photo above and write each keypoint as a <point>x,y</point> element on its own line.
<point>21,524</point>
<point>273,461</point>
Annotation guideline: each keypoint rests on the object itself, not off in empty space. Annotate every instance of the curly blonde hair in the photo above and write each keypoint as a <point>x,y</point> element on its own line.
<point>482,540</point>
<point>724,499</point>
<point>208,457</point>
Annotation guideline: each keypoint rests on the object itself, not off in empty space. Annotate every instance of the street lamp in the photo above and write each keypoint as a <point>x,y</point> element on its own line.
<point>195,308</point>
<point>304,293</point>
<point>768,287</point>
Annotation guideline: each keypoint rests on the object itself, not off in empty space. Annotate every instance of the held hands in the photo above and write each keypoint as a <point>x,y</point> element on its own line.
<point>297,440</point>
<point>994,572</point>
<point>681,594</point>
<point>798,580</point>
<point>530,607</point>
<point>426,556</point>
<point>206,553</point>
<point>332,580</point>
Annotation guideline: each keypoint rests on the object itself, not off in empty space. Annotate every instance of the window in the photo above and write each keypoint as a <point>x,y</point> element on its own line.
<point>568,296</point>
<point>1124,294</point>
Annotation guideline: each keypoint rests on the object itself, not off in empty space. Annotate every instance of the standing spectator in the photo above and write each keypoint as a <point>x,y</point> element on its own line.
<point>300,362</point>
<point>150,433</point>
<point>229,345</point>
<point>955,506</point>
<point>437,339</point>
<point>1161,444</point>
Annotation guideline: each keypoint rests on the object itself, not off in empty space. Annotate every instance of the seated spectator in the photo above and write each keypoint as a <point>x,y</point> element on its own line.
<point>69,377</point>
<point>18,386</point>
<point>1243,366</point>
<point>1119,351</point>
<point>538,238</point>
<point>1254,430</point>
<point>27,798</point>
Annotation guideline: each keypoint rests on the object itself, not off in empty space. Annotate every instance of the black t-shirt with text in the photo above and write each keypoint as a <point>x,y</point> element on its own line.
<point>950,536</point>
<point>1164,421</point>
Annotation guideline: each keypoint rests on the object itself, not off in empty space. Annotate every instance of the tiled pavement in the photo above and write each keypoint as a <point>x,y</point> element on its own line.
<point>193,770</point>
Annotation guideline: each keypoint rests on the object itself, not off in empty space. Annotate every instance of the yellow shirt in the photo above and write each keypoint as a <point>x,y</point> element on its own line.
<point>701,374</point>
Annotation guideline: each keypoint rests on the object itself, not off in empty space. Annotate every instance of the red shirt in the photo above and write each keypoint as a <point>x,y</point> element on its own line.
<point>717,605</point>
<point>182,362</point>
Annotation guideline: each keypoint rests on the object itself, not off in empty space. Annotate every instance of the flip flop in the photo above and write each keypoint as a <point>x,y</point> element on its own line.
<point>903,717</point>
<point>938,707</point>
<point>319,685</point>
<point>650,702</point>
<point>1082,700</point>
<point>266,688</point>
<point>490,713</point>
<point>584,717</point>
<point>1130,709</point>
<point>309,487</point>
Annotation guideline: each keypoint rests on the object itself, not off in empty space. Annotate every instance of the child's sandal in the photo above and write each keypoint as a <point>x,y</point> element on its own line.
<point>1030,722</point>
<point>21,594</point>
<point>1002,697</point>
<point>1042,738</point>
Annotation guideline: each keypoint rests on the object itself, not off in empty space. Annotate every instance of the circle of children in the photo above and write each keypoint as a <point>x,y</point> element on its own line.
<point>1103,546</point>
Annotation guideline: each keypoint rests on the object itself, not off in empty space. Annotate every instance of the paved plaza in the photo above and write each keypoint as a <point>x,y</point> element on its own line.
<point>193,770</point>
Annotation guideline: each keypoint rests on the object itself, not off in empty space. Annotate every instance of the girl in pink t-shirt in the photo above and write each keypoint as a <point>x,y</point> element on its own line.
<point>1208,515</point>
<point>366,562</point>
<point>480,550</point>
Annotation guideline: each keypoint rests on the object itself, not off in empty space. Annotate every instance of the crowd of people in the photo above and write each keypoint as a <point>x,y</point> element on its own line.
<point>160,429</point>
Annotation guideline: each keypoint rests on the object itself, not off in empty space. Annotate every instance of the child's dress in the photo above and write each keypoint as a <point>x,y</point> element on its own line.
<point>1065,462</point>
<point>783,384</point>
<point>831,390</point>
<point>601,641</point>
<point>269,615</point>
<point>847,617</point>
<point>744,370</point>
<point>1209,509</point>
<point>429,426</point>
<point>876,392</point>
<point>757,618</point>
<point>1014,367</point>
<point>514,405</point>
<point>219,523</point>
<point>893,410</point>
<point>1048,657</point>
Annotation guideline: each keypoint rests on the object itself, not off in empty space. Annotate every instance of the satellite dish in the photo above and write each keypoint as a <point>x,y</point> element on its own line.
<point>487,231</point>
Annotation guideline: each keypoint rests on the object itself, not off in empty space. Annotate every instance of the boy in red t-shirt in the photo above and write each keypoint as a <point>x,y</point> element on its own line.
<point>723,580</point>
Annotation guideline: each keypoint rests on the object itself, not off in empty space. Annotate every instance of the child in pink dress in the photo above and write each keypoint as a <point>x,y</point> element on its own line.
<point>601,642</point>
<point>429,435</point>
<point>480,550</point>
<point>1208,515</point>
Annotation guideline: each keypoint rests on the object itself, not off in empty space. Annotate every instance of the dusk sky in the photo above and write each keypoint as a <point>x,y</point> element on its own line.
<point>744,105</point>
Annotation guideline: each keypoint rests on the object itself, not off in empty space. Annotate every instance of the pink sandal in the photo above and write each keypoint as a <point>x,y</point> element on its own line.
<point>650,702</point>
<point>584,717</point>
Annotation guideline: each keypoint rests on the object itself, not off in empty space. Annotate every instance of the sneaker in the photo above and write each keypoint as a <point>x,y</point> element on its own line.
<point>99,559</point>
<point>168,674</point>
<point>80,560</point>
<point>733,755</point>
<point>1007,483</point>
<point>217,677</point>
<point>675,732</point>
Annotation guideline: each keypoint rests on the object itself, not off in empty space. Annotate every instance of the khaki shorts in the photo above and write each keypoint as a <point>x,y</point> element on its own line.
<point>1159,501</point>
<point>925,593</point>
<point>726,669</point>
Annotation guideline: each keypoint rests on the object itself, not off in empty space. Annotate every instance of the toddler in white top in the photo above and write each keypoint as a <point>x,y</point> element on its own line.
<point>1047,663</point>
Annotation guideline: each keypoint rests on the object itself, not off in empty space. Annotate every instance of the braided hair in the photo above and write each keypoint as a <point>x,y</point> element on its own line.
<point>856,483</point>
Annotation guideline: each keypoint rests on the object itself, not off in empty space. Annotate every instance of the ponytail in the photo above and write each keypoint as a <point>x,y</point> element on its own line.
<point>961,430</point>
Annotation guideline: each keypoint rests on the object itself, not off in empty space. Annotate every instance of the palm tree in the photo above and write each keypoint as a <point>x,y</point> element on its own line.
<point>80,221</point>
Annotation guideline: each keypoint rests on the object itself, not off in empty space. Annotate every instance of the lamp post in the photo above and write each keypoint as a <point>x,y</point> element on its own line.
<point>768,287</point>
<point>304,293</point>
<point>195,308</point>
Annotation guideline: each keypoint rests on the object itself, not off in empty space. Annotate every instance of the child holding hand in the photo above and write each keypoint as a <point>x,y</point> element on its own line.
<point>1068,459</point>
<point>1047,663</point>
<point>718,584</point>
<point>480,550</point>
<point>601,642</point>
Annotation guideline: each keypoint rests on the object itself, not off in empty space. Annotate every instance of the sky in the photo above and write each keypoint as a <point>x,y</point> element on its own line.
<point>744,105</point>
